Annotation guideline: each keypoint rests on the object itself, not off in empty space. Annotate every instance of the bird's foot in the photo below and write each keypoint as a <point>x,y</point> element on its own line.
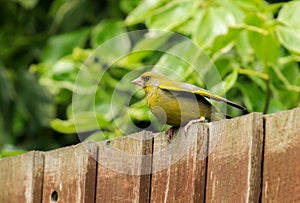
<point>187,126</point>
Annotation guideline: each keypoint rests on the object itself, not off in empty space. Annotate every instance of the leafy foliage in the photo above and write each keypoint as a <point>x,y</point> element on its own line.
<point>38,32</point>
<point>87,67</point>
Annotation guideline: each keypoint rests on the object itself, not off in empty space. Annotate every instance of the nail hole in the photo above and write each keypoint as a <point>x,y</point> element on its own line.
<point>54,196</point>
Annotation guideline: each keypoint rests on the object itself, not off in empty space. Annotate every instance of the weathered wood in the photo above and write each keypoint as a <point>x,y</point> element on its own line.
<point>234,162</point>
<point>179,166</point>
<point>124,167</point>
<point>281,168</point>
<point>70,174</point>
<point>140,168</point>
<point>21,178</point>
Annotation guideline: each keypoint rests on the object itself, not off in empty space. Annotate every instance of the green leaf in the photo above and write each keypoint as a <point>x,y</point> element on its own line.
<point>289,38</point>
<point>254,98</point>
<point>292,72</point>
<point>279,74</point>
<point>28,4</point>
<point>244,48</point>
<point>64,69</point>
<point>170,15</point>
<point>172,66</point>
<point>144,9</point>
<point>265,45</point>
<point>61,45</point>
<point>233,7</point>
<point>139,111</point>
<point>106,30</point>
<point>82,122</point>
<point>258,81</point>
<point>7,105</point>
<point>253,5</point>
<point>228,74</point>
<point>41,111</point>
<point>151,43</point>
<point>290,14</point>
<point>11,153</point>
<point>70,15</point>
<point>275,106</point>
<point>224,43</point>
<point>287,98</point>
<point>128,6</point>
<point>230,79</point>
<point>189,26</point>
<point>215,22</point>
<point>63,126</point>
<point>111,42</point>
<point>223,64</point>
<point>185,60</point>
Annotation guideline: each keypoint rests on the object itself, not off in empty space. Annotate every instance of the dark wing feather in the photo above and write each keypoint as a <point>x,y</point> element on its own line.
<point>185,87</point>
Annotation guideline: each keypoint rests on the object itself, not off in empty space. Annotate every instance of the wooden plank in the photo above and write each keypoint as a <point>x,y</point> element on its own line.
<point>21,178</point>
<point>179,166</point>
<point>281,168</point>
<point>124,168</point>
<point>234,162</point>
<point>70,173</point>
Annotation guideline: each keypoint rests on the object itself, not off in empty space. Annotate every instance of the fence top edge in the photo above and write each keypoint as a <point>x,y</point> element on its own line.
<point>147,133</point>
<point>281,112</point>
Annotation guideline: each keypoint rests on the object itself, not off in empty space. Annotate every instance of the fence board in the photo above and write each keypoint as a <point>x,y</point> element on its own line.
<point>281,170</point>
<point>124,167</point>
<point>21,178</point>
<point>179,167</point>
<point>234,164</point>
<point>143,168</point>
<point>70,173</point>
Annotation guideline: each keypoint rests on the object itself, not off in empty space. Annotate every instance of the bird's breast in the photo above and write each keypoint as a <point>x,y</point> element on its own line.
<point>176,108</point>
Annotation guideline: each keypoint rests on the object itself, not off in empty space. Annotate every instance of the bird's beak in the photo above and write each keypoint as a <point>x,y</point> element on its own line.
<point>138,81</point>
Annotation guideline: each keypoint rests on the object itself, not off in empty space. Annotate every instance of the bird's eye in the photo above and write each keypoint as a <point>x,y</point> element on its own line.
<point>146,78</point>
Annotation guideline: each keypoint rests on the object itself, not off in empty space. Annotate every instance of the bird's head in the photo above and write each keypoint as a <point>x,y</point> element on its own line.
<point>149,79</point>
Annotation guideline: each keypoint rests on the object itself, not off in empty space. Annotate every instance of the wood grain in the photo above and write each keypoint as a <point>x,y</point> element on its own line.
<point>70,172</point>
<point>124,167</point>
<point>21,178</point>
<point>251,158</point>
<point>281,175</point>
<point>179,166</point>
<point>234,162</point>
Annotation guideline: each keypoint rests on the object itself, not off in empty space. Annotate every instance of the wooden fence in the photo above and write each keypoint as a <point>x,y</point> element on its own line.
<point>253,158</point>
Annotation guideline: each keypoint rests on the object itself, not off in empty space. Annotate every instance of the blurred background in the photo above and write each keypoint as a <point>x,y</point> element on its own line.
<point>254,45</point>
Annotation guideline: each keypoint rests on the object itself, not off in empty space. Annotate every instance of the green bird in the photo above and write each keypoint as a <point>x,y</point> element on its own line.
<point>177,103</point>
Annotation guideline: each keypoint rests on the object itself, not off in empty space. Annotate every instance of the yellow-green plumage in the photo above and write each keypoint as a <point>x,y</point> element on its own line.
<point>177,108</point>
<point>177,103</point>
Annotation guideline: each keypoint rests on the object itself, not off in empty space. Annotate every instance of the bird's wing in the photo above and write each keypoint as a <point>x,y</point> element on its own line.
<point>185,87</point>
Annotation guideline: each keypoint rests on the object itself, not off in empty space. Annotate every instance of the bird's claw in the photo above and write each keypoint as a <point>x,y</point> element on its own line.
<point>191,122</point>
